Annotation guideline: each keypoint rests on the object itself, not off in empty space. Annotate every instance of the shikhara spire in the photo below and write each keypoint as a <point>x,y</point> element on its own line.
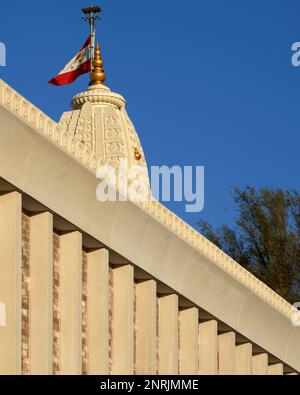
<point>99,120</point>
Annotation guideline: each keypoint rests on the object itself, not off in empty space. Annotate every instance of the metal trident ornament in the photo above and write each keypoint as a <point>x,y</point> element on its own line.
<point>91,16</point>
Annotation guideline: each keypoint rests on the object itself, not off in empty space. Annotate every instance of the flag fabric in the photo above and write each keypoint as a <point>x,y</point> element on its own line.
<point>77,66</point>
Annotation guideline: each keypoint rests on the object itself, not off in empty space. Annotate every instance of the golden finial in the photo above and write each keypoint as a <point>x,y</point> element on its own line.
<point>137,155</point>
<point>98,75</point>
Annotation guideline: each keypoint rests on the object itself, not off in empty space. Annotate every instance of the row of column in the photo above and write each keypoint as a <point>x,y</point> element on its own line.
<point>188,347</point>
<point>147,333</point>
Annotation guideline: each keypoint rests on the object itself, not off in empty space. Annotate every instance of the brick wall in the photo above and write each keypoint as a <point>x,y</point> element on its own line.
<point>56,305</point>
<point>84,315</point>
<point>25,294</point>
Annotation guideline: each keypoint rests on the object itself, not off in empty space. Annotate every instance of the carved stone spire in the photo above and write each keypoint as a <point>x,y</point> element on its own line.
<point>98,75</point>
<point>100,122</point>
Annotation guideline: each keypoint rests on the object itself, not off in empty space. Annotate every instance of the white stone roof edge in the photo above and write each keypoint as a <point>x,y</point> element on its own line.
<point>26,111</point>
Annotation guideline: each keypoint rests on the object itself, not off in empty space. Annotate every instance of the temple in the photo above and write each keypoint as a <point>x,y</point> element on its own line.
<point>91,287</point>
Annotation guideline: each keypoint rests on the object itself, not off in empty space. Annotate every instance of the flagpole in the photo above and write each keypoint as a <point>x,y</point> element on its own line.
<point>91,17</point>
<point>92,49</point>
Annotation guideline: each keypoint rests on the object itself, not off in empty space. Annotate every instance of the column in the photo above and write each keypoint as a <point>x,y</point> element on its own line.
<point>226,352</point>
<point>146,327</point>
<point>188,341</point>
<point>260,364</point>
<point>208,348</point>
<point>243,359</point>
<point>41,294</point>
<point>71,302</point>
<point>122,320</point>
<point>97,304</point>
<point>168,335</point>
<point>275,370</point>
<point>10,282</point>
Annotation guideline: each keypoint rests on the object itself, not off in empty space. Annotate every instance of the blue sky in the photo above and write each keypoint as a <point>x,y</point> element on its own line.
<point>207,82</point>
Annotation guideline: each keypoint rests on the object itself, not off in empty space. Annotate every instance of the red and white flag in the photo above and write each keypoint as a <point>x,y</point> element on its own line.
<point>77,66</point>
